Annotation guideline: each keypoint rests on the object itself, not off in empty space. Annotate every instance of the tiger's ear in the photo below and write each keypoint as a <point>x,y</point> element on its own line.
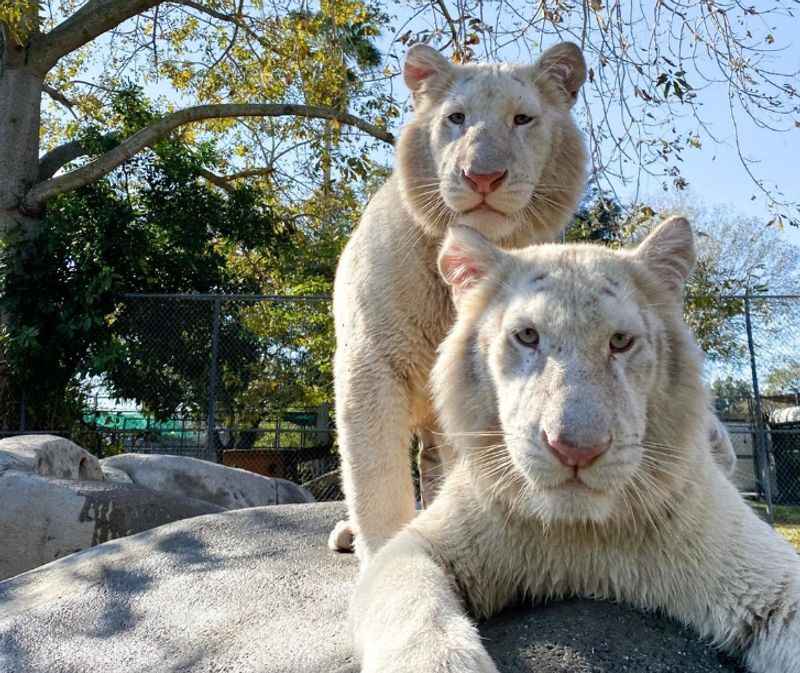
<point>466,258</point>
<point>668,251</point>
<point>561,71</point>
<point>426,70</point>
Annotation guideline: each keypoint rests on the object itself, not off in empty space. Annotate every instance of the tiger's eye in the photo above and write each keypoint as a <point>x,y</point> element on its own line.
<point>521,120</point>
<point>457,118</point>
<point>620,342</point>
<point>528,337</point>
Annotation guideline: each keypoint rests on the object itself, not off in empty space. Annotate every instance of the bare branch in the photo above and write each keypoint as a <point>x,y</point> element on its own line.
<point>146,137</point>
<point>233,39</point>
<point>93,19</point>
<point>217,180</point>
<point>236,19</point>
<point>59,97</point>
<point>154,40</point>
<point>249,173</point>
<point>451,25</point>
<point>224,181</point>
<point>200,7</point>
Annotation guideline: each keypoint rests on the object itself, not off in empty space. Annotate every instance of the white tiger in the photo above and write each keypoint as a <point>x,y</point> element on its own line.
<point>570,388</point>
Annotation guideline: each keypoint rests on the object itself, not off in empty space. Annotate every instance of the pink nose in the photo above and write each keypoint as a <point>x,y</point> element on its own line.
<point>484,183</point>
<point>572,455</point>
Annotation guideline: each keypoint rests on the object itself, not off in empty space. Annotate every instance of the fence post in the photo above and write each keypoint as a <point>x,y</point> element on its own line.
<point>761,433</point>
<point>211,439</point>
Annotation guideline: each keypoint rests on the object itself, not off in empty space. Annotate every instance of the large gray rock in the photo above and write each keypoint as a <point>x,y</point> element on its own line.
<point>228,487</point>
<point>56,498</point>
<point>42,519</point>
<point>114,474</point>
<point>257,591</point>
<point>49,456</point>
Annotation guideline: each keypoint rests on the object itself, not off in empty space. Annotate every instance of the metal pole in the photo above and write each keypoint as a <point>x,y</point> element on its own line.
<point>211,441</point>
<point>761,443</point>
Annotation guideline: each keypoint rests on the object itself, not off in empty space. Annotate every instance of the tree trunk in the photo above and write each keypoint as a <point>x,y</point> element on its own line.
<point>20,99</point>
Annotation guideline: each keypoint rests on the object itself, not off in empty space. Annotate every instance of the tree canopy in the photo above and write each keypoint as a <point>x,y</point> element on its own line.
<point>229,145</point>
<point>736,255</point>
<point>784,380</point>
<point>152,225</point>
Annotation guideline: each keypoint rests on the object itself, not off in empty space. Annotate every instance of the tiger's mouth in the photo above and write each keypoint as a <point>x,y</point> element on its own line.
<point>574,484</point>
<point>485,207</point>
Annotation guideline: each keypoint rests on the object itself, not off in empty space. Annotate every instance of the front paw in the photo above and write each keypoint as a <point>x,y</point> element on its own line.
<point>342,538</point>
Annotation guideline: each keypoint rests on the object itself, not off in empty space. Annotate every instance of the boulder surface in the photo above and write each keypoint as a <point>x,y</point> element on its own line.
<point>56,498</point>
<point>228,487</point>
<point>257,591</point>
<point>43,519</point>
<point>49,456</point>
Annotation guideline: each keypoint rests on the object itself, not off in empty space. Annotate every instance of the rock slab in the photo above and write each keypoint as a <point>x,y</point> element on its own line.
<point>43,519</point>
<point>49,456</point>
<point>228,487</point>
<point>257,591</point>
<point>56,498</point>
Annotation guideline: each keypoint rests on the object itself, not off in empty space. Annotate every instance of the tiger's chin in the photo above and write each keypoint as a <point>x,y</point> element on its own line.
<point>493,224</point>
<point>571,502</point>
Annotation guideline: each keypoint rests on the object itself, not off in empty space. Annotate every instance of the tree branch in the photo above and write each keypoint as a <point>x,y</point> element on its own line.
<point>146,137</point>
<point>199,7</point>
<point>217,180</point>
<point>60,156</point>
<point>93,19</point>
<point>249,173</point>
<point>236,19</point>
<point>224,181</point>
<point>59,97</point>
<point>451,24</point>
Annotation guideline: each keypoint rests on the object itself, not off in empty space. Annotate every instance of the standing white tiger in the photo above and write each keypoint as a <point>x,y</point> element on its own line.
<point>494,145</point>
<point>571,389</point>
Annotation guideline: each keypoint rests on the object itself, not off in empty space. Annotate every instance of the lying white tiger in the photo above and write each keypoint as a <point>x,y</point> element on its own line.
<point>571,388</point>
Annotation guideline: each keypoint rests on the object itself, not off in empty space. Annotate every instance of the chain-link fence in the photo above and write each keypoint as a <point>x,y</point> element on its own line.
<point>756,382</point>
<point>241,380</point>
<point>247,381</point>
<point>776,381</point>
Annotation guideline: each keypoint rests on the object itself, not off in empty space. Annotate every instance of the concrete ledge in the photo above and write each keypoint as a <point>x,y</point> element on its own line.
<point>257,591</point>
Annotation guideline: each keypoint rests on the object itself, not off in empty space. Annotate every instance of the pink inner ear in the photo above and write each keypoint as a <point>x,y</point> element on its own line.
<point>416,72</point>
<point>465,274</point>
<point>460,270</point>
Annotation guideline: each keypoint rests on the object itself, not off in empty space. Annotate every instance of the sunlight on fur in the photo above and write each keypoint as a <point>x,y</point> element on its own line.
<point>571,391</point>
